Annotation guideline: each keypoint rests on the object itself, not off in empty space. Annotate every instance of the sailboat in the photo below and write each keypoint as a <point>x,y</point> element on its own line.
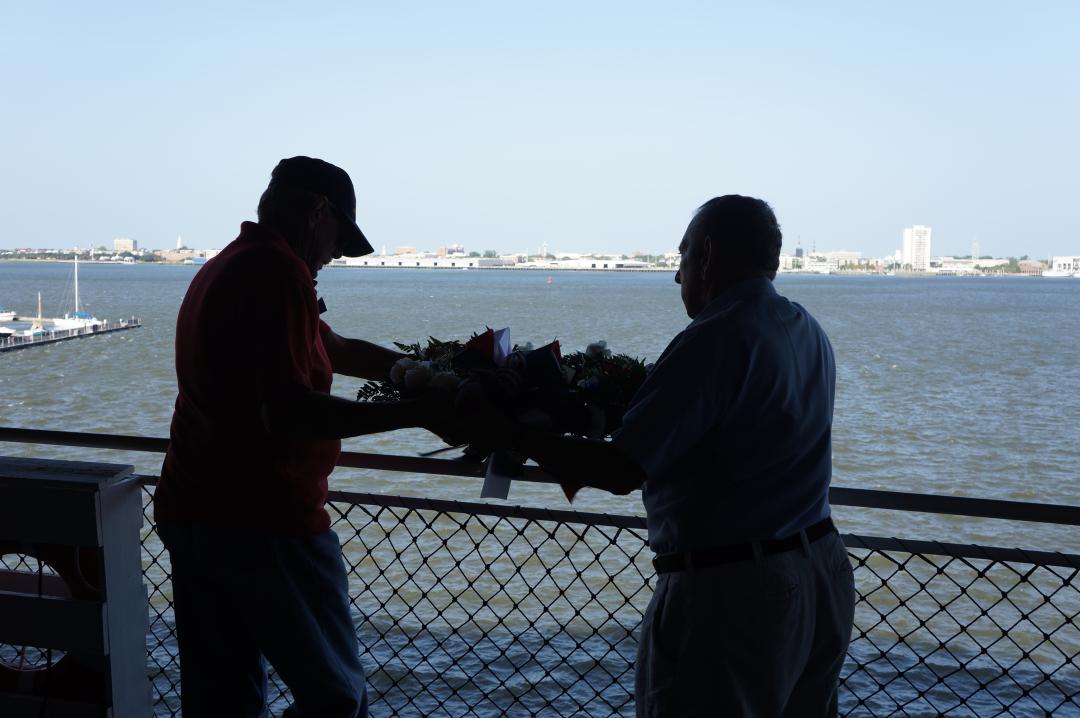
<point>37,325</point>
<point>77,320</point>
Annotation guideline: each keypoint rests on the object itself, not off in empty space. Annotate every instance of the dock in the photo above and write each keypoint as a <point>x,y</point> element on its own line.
<point>11,343</point>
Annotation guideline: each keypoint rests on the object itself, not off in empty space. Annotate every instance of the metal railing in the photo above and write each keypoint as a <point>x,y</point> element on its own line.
<point>471,609</point>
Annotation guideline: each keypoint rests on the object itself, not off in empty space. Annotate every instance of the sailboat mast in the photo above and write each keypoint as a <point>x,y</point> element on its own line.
<point>76,284</point>
<point>38,324</point>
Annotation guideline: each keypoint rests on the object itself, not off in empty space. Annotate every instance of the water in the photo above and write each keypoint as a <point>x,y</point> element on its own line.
<point>954,386</point>
<point>958,386</point>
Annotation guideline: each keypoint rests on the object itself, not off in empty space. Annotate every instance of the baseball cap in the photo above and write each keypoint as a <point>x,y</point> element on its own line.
<point>315,175</point>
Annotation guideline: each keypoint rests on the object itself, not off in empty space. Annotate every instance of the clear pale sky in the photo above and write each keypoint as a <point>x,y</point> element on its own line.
<point>589,126</point>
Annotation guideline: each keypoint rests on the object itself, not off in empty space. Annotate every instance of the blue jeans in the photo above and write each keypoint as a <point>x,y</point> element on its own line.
<point>243,598</point>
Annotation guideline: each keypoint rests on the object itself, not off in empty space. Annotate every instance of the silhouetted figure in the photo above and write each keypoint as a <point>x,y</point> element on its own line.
<point>729,439</point>
<point>257,575</point>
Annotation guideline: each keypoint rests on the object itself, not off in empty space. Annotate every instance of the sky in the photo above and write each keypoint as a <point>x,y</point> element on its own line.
<point>585,126</point>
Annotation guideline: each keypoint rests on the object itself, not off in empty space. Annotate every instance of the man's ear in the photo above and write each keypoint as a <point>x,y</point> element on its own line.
<point>707,256</point>
<point>321,207</point>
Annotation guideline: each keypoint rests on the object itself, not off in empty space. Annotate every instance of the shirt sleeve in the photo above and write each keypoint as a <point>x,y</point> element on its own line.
<point>286,326</point>
<point>683,397</point>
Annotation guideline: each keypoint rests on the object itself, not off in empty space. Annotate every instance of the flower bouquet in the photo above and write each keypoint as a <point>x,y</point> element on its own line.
<point>584,393</point>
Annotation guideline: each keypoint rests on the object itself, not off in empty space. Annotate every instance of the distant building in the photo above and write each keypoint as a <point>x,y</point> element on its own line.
<point>125,245</point>
<point>842,258</point>
<point>817,263</point>
<point>1065,263</point>
<point>790,262</point>
<point>946,266</point>
<point>915,254</point>
<point>406,250</point>
<point>450,250</point>
<point>495,262</point>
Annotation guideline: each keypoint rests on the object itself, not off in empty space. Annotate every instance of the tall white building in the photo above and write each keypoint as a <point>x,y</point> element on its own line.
<point>916,248</point>
<point>122,244</point>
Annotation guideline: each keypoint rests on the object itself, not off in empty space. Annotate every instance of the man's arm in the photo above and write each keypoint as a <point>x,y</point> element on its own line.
<point>359,358</point>
<point>315,415</point>
<point>584,462</point>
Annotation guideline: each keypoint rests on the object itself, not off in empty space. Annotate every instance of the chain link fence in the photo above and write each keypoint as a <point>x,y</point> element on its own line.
<point>467,609</point>
<point>940,634</point>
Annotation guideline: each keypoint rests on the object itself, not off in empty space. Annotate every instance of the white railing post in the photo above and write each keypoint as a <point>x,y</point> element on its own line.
<point>89,614</point>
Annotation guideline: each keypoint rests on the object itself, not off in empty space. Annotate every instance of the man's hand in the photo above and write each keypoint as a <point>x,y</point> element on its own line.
<point>579,462</point>
<point>435,412</point>
<point>482,420</point>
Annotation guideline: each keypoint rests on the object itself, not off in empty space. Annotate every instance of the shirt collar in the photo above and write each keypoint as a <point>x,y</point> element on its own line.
<point>756,287</point>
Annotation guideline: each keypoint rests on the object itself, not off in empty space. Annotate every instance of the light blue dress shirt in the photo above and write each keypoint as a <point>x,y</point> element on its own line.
<point>733,424</point>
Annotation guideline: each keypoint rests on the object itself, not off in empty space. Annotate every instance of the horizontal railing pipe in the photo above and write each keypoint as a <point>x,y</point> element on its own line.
<point>84,440</point>
<point>956,505</point>
<point>1060,514</point>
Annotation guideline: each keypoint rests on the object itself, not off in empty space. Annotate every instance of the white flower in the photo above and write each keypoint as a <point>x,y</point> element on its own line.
<point>596,350</point>
<point>402,365</point>
<point>419,376</point>
<point>445,381</point>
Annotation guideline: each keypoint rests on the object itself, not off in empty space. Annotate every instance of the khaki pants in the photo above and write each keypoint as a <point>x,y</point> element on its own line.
<point>752,638</point>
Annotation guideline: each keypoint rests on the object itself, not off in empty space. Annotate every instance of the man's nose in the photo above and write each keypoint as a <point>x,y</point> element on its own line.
<point>678,279</point>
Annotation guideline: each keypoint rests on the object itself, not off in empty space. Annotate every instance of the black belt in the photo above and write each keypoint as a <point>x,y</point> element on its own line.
<point>705,557</point>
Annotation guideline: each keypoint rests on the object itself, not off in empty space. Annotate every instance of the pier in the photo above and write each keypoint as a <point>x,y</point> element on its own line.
<point>16,341</point>
<point>474,609</point>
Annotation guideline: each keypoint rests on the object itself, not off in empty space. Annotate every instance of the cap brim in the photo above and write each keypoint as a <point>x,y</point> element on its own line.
<point>355,244</point>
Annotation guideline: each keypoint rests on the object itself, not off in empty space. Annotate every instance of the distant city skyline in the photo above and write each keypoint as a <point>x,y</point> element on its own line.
<point>591,128</point>
<point>915,251</point>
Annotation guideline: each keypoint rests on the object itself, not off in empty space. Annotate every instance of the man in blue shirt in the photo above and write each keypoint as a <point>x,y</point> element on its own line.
<point>729,439</point>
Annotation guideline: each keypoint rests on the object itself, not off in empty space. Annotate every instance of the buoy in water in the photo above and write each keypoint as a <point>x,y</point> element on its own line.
<point>549,280</point>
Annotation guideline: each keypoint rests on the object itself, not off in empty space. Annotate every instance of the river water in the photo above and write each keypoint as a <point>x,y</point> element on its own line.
<point>957,386</point>
<point>954,386</point>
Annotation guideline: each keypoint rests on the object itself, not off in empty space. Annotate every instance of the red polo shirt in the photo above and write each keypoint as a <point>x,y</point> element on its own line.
<point>248,331</point>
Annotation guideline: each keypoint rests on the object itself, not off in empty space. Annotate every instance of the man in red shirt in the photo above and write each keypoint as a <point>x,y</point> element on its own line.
<point>257,574</point>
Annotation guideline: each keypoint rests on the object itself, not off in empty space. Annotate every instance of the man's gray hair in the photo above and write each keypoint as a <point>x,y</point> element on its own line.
<point>744,231</point>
